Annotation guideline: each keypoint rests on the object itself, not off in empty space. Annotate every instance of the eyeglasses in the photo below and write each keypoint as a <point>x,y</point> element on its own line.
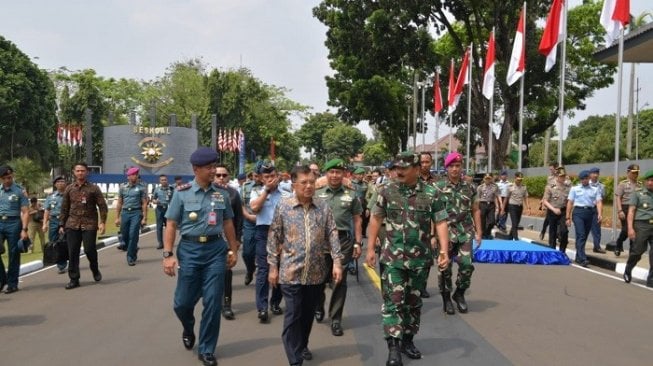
<point>221,175</point>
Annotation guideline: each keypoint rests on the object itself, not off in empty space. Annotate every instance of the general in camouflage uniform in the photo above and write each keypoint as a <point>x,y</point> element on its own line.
<point>464,218</point>
<point>411,209</point>
<point>555,200</point>
<point>640,228</point>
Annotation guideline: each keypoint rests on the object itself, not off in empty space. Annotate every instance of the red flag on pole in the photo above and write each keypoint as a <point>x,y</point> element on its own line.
<point>614,17</point>
<point>554,33</point>
<point>488,76</point>
<point>437,95</point>
<point>461,81</point>
<point>518,57</point>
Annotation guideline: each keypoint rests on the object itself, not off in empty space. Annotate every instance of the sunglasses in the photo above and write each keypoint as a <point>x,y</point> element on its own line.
<point>222,175</point>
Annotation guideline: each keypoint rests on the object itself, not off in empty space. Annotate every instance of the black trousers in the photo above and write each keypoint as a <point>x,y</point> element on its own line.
<point>643,239</point>
<point>298,319</point>
<point>515,212</point>
<point>75,239</point>
<point>487,218</point>
<point>623,234</point>
<point>558,229</point>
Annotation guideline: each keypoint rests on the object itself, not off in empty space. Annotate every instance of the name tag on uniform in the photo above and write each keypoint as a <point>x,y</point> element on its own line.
<point>213,218</point>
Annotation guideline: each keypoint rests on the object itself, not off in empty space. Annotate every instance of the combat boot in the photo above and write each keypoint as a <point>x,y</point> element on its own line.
<point>447,305</point>
<point>394,354</point>
<point>459,298</point>
<point>408,347</point>
<point>227,313</point>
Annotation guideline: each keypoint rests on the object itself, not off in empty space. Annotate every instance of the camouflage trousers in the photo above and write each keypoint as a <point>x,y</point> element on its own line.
<point>402,304</point>
<point>461,254</point>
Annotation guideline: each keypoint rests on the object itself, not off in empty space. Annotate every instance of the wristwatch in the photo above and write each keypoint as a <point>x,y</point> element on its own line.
<point>167,254</point>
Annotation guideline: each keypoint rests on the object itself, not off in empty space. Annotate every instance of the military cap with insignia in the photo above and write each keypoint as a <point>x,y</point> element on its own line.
<point>560,171</point>
<point>633,168</point>
<point>648,175</point>
<point>519,175</point>
<point>265,167</point>
<point>487,176</point>
<point>595,170</point>
<point>58,178</point>
<point>406,159</point>
<point>5,170</point>
<point>334,164</point>
<point>203,156</point>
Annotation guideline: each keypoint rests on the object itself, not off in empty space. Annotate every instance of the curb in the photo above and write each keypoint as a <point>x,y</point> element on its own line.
<point>36,265</point>
<point>637,273</point>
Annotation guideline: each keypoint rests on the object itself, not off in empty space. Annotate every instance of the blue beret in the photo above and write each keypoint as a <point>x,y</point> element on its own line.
<point>203,156</point>
<point>595,170</point>
<point>334,164</point>
<point>5,170</point>
<point>242,176</point>
<point>584,174</point>
<point>58,178</point>
<point>503,172</point>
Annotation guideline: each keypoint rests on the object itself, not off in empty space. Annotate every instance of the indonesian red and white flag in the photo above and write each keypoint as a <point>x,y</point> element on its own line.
<point>437,95</point>
<point>452,86</point>
<point>614,17</point>
<point>461,81</point>
<point>80,136</point>
<point>518,57</point>
<point>554,33</point>
<point>488,76</point>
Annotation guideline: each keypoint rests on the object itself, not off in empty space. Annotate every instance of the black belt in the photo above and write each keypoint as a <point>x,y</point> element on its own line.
<point>131,209</point>
<point>5,217</point>
<point>650,221</point>
<point>585,207</point>
<point>201,238</point>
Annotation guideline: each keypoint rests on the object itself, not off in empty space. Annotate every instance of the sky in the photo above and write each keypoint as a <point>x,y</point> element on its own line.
<point>279,41</point>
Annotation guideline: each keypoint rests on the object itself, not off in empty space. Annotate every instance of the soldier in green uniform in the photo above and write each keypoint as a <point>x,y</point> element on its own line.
<point>622,195</point>
<point>412,210</point>
<point>347,212</point>
<point>640,228</point>
<point>464,218</point>
<point>360,186</point>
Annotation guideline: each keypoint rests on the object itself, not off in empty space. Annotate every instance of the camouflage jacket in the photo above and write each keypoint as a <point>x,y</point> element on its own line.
<point>459,199</point>
<point>408,213</point>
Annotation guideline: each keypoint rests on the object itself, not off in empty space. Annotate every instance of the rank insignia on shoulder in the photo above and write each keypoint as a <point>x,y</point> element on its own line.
<point>184,187</point>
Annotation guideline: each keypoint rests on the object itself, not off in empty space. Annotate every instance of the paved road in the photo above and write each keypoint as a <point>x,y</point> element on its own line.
<point>520,314</point>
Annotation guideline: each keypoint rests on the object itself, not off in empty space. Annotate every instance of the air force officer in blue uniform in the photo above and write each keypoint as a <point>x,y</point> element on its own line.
<point>203,215</point>
<point>13,226</point>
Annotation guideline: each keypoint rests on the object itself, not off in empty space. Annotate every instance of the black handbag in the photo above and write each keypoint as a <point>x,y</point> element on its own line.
<point>49,254</point>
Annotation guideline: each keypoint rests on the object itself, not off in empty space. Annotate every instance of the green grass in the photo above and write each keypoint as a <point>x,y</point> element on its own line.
<point>110,229</point>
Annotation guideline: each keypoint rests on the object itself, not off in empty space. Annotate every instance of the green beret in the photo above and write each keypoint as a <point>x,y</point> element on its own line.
<point>648,174</point>
<point>406,159</point>
<point>359,171</point>
<point>334,164</point>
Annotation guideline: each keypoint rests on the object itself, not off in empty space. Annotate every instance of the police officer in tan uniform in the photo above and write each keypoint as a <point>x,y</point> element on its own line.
<point>555,200</point>
<point>490,199</point>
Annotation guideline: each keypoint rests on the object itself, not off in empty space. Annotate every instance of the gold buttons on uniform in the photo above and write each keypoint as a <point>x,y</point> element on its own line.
<point>192,216</point>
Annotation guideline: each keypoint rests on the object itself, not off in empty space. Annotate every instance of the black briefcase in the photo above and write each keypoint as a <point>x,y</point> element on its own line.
<point>49,254</point>
<point>61,248</point>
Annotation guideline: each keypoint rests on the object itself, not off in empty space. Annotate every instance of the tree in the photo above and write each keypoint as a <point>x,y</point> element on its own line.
<point>27,109</point>
<point>262,112</point>
<point>343,141</point>
<point>377,47</point>
<point>310,134</point>
<point>376,153</point>
<point>29,175</point>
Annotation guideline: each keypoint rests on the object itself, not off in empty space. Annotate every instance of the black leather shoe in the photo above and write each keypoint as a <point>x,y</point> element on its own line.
<point>276,309</point>
<point>227,313</point>
<point>408,348</point>
<point>188,340</point>
<point>394,353</point>
<point>306,354</point>
<point>208,359</point>
<point>336,329</point>
<point>2,285</point>
<point>459,298</point>
<point>131,262</point>
<point>599,251</point>
<point>122,247</point>
<point>72,284</point>
<point>617,252</point>
<point>97,276</point>
<point>11,290</point>
<point>627,277</point>
<point>447,304</point>
<point>424,294</point>
<point>319,315</point>
<point>248,278</point>
<point>263,316</point>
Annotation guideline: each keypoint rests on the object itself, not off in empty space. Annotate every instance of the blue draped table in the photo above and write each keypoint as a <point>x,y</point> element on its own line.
<point>517,251</point>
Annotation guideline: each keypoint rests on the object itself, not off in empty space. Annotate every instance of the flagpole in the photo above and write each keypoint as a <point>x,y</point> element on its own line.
<point>521,109</point>
<point>450,131</point>
<point>490,136</point>
<point>617,128</point>
<point>436,89</point>
<point>561,106</point>
<point>469,105</point>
